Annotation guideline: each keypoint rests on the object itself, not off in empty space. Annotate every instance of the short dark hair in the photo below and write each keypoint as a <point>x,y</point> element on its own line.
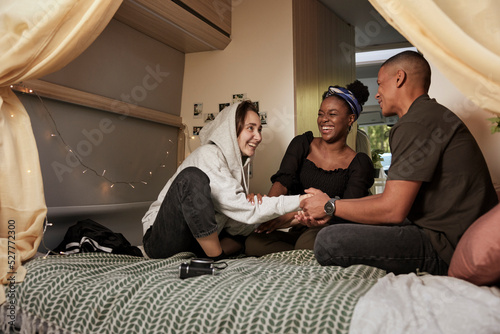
<point>415,61</point>
<point>241,112</point>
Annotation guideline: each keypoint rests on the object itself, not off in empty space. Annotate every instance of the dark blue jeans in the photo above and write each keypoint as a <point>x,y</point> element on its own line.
<point>400,249</point>
<point>186,214</point>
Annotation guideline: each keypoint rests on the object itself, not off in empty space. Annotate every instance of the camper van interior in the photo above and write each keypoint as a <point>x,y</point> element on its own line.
<point>101,101</point>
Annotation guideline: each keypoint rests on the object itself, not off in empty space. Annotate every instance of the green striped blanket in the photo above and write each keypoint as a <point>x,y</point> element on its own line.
<point>285,292</point>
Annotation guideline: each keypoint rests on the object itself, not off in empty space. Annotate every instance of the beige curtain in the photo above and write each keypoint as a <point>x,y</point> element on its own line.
<point>460,37</point>
<point>37,37</point>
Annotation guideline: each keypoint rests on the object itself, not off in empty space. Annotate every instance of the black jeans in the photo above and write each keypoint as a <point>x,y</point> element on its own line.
<point>400,249</point>
<point>186,214</point>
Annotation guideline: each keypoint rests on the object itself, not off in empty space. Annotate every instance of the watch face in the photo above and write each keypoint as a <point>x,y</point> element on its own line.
<point>329,208</point>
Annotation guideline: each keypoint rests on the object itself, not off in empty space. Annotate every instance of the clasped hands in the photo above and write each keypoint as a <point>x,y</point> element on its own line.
<point>312,212</point>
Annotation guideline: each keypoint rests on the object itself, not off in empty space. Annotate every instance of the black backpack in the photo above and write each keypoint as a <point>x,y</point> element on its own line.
<point>89,236</point>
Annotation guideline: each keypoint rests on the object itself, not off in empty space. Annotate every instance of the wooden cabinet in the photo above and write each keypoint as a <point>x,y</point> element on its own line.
<point>216,12</point>
<point>185,25</point>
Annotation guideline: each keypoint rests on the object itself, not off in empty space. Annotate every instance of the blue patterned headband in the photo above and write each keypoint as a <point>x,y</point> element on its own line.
<point>346,94</point>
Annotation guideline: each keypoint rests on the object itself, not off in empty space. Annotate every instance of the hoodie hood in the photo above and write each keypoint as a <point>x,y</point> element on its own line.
<point>222,133</point>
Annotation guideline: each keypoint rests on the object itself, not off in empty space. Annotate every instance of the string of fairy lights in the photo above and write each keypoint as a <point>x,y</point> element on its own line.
<point>56,133</point>
<point>87,167</point>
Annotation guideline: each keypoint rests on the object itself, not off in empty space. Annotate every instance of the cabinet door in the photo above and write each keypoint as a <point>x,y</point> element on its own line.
<point>178,25</point>
<point>214,12</point>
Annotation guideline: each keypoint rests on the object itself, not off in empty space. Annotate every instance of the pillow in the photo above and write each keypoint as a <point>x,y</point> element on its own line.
<point>477,256</point>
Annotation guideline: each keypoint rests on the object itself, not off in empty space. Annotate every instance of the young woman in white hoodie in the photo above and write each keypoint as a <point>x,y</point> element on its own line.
<point>208,192</point>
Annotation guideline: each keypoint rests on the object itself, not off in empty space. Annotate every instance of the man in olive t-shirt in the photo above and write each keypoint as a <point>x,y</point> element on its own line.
<point>432,145</point>
<point>438,185</point>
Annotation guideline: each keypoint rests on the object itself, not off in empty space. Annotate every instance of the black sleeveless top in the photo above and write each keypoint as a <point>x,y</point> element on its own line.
<point>297,173</point>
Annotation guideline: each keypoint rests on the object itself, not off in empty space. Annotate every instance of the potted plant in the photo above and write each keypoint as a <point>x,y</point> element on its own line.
<point>496,124</point>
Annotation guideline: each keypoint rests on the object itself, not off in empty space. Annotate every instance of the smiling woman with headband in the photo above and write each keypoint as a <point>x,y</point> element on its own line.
<point>325,162</point>
<point>348,96</point>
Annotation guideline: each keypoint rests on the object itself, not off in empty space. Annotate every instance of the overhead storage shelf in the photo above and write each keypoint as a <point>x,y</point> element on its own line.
<point>185,25</point>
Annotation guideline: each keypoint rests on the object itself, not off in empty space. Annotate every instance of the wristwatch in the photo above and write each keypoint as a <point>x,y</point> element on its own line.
<point>330,206</point>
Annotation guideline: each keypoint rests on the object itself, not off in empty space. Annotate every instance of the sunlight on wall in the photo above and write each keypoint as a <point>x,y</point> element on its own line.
<point>258,62</point>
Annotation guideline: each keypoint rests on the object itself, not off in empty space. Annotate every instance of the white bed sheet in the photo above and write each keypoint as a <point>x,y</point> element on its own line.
<point>427,304</point>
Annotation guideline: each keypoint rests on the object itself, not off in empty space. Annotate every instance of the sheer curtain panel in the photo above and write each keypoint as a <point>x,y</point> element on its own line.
<point>36,38</point>
<point>460,37</point>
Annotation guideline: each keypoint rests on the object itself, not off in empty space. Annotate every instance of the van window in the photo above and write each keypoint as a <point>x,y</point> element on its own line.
<point>379,139</point>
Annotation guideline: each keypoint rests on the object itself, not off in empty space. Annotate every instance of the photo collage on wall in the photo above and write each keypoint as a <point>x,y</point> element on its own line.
<point>209,115</point>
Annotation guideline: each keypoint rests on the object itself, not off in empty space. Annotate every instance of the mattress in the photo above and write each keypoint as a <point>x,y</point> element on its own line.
<point>286,292</point>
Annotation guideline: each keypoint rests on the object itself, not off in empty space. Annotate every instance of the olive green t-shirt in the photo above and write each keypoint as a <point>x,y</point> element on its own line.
<point>431,144</point>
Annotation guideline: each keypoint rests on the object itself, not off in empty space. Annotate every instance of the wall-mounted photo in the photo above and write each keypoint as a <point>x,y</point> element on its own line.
<point>198,110</point>
<point>239,97</point>
<point>263,118</point>
<point>256,104</point>
<point>223,105</point>
<point>208,117</point>
<point>196,130</point>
